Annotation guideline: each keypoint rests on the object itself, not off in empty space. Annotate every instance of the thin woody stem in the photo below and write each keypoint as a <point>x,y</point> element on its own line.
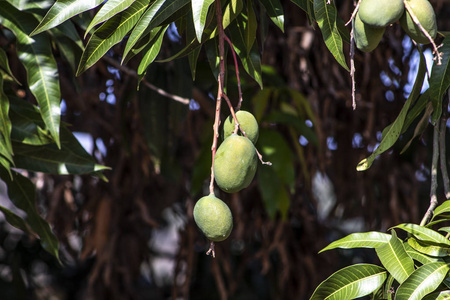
<point>355,11</point>
<point>434,168</point>
<point>352,66</point>
<point>238,107</point>
<point>438,54</point>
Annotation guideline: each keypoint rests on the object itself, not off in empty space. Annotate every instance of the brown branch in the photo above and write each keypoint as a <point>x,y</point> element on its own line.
<point>238,107</point>
<point>133,73</point>
<point>355,11</point>
<point>352,66</point>
<point>438,54</point>
<point>434,167</point>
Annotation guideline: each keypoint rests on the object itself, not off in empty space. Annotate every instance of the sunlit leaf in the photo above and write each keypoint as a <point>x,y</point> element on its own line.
<point>63,10</point>
<point>351,282</point>
<point>395,129</point>
<point>151,52</point>
<point>326,15</point>
<point>42,72</point>
<point>372,239</point>
<point>21,191</point>
<point>274,10</point>
<point>199,14</point>
<point>429,248</point>
<point>108,10</point>
<point>440,80</point>
<point>423,233</point>
<point>422,281</point>
<point>394,258</point>
<point>443,295</point>
<point>417,255</point>
<point>442,209</point>
<point>110,33</point>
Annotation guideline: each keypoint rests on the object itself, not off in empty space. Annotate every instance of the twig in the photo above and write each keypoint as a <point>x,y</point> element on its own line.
<point>434,167</point>
<point>443,158</point>
<point>220,81</point>
<point>355,11</point>
<point>211,251</point>
<point>352,66</point>
<point>438,54</point>
<point>238,107</point>
<point>132,73</point>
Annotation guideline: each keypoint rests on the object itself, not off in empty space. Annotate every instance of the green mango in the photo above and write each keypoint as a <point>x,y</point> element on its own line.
<point>380,13</point>
<point>213,217</point>
<point>367,38</point>
<point>427,18</point>
<point>247,122</point>
<point>235,163</point>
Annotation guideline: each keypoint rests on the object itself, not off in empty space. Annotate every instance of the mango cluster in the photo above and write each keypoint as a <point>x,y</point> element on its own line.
<point>234,168</point>
<point>374,16</point>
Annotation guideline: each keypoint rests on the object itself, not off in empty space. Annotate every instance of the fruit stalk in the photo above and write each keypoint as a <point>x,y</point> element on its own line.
<point>238,107</point>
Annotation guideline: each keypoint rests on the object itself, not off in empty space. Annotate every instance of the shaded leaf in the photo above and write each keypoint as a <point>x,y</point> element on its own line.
<point>421,126</point>
<point>394,258</point>
<point>422,281</point>
<point>108,10</point>
<point>5,124</point>
<point>395,128</point>
<point>42,72</point>
<point>372,239</point>
<point>440,80</point>
<point>199,14</point>
<point>275,12</point>
<point>443,295</point>
<point>15,220</point>
<point>63,10</point>
<point>351,282</point>
<point>251,28</point>
<point>326,15</point>
<point>423,233</point>
<point>110,33</point>
<point>4,64</point>
<point>151,52</point>
<point>22,193</point>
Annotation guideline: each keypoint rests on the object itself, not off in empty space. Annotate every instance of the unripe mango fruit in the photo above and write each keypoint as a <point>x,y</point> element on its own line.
<point>235,163</point>
<point>213,217</point>
<point>427,18</point>
<point>247,122</point>
<point>367,38</point>
<point>380,13</point>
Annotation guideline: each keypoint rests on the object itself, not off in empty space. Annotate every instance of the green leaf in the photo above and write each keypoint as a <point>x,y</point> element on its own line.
<point>429,248</point>
<point>70,159</point>
<point>230,13</point>
<point>326,19</point>
<point>372,239</point>
<point>15,220</point>
<point>108,10</point>
<point>22,193</point>
<point>151,52</point>
<point>422,281</point>
<point>421,126</point>
<point>440,80</point>
<point>158,12</point>
<point>394,258</point>
<point>395,129</point>
<point>305,5</point>
<point>423,233</point>
<point>212,54</point>
<point>27,124</point>
<point>274,10</point>
<point>443,295</point>
<point>4,64</point>
<point>42,72</point>
<point>416,109</point>
<point>110,33</point>
<point>5,124</point>
<point>250,60</point>
<point>351,282</point>
<point>63,10</point>
<point>442,209</point>
<point>199,14</point>
<point>193,58</point>
<point>417,254</point>
<point>251,28</point>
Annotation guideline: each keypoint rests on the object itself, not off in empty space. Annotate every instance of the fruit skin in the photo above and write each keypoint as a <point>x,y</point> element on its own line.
<point>427,18</point>
<point>381,13</point>
<point>213,217</point>
<point>235,163</point>
<point>367,38</point>
<point>246,121</point>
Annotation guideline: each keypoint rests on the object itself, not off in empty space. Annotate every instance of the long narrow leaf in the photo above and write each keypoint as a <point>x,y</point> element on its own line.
<point>63,10</point>
<point>275,11</point>
<point>422,281</point>
<point>199,14</point>
<point>151,52</point>
<point>395,129</point>
<point>110,33</point>
<point>42,72</point>
<point>5,123</point>
<point>4,64</point>
<point>423,233</point>
<point>351,282</point>
<point>441,209</point>
<point>395,259</point>
<point>371,239</point>
<point>440,80</point>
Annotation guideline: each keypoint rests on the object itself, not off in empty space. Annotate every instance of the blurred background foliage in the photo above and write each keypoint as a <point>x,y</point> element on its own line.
<point>133,237</point>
